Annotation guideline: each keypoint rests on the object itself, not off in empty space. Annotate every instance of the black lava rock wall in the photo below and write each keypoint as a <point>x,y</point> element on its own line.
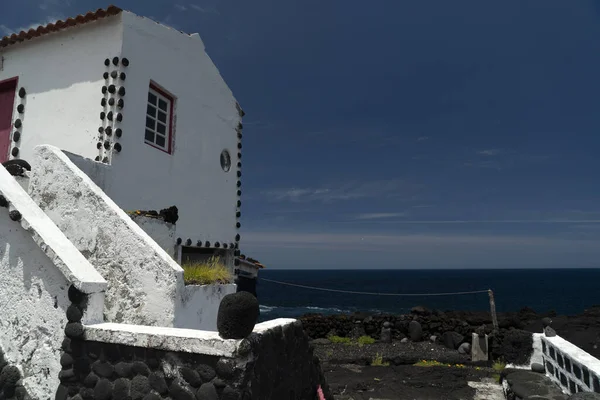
<point>276,365</point>
<point>10,381</point>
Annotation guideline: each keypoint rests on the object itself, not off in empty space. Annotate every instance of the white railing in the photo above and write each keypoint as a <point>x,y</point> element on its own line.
<point>570,367</point>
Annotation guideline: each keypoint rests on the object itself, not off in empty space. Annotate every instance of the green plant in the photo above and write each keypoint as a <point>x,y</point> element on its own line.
<point>365,340</point>
<point>329,353</point>
<point>378,361</point>
<point>434,363</point>
<point>206,273</point>
<point>339,339</point>
<point>498,367</point>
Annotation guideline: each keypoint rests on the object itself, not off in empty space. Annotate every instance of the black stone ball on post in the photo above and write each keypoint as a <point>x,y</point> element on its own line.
<point>238,313</point>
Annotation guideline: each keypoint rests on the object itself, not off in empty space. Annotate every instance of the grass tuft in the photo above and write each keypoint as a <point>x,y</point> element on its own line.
<point>378,361</point>
<point>365,340</point>
<point>339,339</point>
<point>209,272</point>
<point>434,363</point>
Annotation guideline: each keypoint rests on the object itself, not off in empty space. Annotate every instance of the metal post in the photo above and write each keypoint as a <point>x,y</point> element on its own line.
<point>493,310</point>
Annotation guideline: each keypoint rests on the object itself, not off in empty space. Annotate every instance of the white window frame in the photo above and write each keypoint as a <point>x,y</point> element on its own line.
<point>168,135</point>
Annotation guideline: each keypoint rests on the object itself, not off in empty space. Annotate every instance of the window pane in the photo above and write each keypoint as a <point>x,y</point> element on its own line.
<point>149,123</point>
<point>160,128</point>
<point>162,104</point>
<point>149,135</point>
<point>151,111</point>
<point>162,117</point>
<point>160,140</point>
<point>151,98</point>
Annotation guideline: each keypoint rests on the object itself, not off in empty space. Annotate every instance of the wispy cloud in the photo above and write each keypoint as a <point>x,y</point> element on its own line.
<point>422,138</point>
<point>490,152</point>
<point>496,221</point>
<point>351,240</point>
<point>46,4</point>
<point>371,216</point>
<point>350,191</point>
<point>6,30</point>
<point>205,10</point>
<point>180,7</point>
<point>338,250</point>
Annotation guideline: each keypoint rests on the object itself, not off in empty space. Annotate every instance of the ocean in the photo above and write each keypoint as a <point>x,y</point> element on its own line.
<point>566,291</point>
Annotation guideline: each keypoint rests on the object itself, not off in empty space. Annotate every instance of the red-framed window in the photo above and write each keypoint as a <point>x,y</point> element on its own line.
<point>159,119</point>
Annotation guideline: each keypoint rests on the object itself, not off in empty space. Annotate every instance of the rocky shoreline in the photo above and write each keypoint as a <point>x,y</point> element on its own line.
<point>452,328</point>
<point>391,367</point>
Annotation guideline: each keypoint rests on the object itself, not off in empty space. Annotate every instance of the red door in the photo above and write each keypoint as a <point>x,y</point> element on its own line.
<point>7,101</point>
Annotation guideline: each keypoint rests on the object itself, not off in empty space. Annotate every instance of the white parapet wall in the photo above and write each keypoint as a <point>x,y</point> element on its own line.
<point>209,297</point>
<point>174,339</point>
<point>145,284</point>
<point>38,264</point>
<point>573,369</point>
<point>162,232</point>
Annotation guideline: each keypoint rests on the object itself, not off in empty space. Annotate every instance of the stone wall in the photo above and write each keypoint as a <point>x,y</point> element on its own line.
<point>510,343</point>
<point>276,362</point>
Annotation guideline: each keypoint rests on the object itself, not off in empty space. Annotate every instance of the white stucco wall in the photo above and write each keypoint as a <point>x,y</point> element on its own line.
<point>37,267</point>
<point>142,278</point>
<point>190,178</point>
<point>209,296</point>
<point>62,74</point>
<point>62,108</point>
<point>145,285</point>
<point>162,232</point>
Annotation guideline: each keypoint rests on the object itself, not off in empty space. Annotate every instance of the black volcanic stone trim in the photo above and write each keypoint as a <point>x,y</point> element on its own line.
<point>237,315</point>
<point>15,215</point>
<point>74,330</point>
<point>74,313</point>
<point>21,108</point>
<point>16,136</point>
<point>9,380</point>
<point>15,151</point>
<point>3,201</point>
<point>22,92</point>
<point>18,123</point>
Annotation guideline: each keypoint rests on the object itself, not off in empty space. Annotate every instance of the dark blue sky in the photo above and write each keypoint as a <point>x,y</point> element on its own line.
<point>404,134</point>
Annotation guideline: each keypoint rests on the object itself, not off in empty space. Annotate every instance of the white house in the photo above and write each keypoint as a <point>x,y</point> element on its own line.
<point>140,108</point>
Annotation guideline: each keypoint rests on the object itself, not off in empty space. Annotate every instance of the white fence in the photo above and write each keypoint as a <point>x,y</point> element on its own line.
<point>570,367</point>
